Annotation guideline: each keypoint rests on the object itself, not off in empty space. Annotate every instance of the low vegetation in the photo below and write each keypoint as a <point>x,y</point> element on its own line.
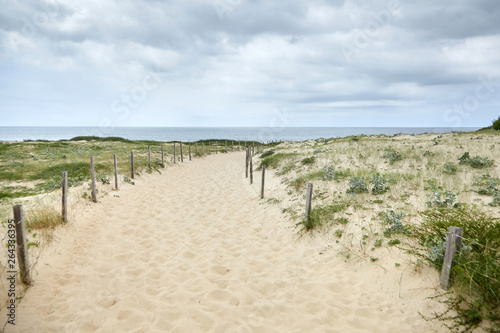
<point>369,195</point>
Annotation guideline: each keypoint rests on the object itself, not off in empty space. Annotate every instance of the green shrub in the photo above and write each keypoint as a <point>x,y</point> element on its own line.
<point>475,272</point>
<point>464,159</point>
<point>394,222</point>
<point>480,162</point>
<point>308,160</point>
<point>496,199</point>
<point>357,185</point>
<point>393,156</point>
<point>496,124</point>
<point>442,199</point>
<point>449,168</point>
<point>393,242</point>
<point>476,162</point>
<point>379,186</point>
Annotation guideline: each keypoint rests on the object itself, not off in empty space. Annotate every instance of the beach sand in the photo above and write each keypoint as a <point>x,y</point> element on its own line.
<point>195,250</point>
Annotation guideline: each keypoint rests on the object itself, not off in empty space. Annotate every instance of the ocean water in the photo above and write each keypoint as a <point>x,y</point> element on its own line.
<point>263,134</point>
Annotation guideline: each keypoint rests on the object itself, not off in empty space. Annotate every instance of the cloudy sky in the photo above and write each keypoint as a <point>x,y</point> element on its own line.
<point>249,62</point>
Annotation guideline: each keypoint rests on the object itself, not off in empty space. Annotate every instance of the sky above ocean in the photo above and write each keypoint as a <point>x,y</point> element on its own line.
<point>209,63</point>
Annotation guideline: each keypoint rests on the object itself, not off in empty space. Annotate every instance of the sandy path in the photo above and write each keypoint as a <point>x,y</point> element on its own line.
<point>194,250</point>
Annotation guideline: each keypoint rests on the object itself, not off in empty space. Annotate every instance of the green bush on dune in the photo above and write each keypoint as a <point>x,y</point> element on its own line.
<point>496,124</point>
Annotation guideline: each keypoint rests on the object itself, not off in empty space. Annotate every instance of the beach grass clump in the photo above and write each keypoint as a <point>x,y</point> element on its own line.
<point>331,174</point>
<point>379,184</point>
<point>321,215</point>
<point>267,153</point>
<point>308,160</point>
<point>274,160</point>
<point>393,156</point>
<point>357,185</point>
<point>300,182</point>
<point>475,274</point>
<point>442,199</point>
<point>449,168</point>
<point>44,216</point>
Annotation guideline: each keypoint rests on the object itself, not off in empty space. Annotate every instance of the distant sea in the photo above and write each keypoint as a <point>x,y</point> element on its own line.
<point>262,134</point>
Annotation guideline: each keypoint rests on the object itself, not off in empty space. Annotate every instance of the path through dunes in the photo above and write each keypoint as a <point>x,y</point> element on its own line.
<point>195,250</point>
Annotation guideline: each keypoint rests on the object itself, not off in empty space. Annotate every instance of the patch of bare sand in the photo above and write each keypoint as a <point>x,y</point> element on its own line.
<point>195,250</point>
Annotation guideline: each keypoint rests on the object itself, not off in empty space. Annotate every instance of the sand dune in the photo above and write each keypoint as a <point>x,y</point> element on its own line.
<point>195,250</point>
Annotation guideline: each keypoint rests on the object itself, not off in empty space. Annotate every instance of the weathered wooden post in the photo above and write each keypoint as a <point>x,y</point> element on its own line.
<point>182,155</point>
<point>225,146</point>
<point>246,163</point>
<point>116,172</point>
<point>308,200</point>
<point>215,147</point>
<point>203,148</point>
<point>262,182</point>
<point>453,245</point>
<point>190,151</point>
<point>149,156</point>
<point>253,148</point>
<point>65,196</point>
<point>132,164</point>
<point>162,157</point>
<point>196,148</point>
<point>92,179</point>
<point>174,151</point>
<point>251,171</point>
<point>22,246</point>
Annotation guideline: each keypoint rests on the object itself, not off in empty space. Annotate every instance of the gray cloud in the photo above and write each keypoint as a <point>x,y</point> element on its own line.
<point>235,62</point>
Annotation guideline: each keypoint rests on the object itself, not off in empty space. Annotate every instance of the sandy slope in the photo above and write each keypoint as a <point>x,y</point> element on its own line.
<point>194,250</point>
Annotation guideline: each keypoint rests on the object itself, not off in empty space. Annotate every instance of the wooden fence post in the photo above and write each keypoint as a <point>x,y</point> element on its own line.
<point>190,151</point>
<point>116,172</point>
<point>65,196</point>
<point>182,155</point>
<point>162,157</point>
<point>149,156</point>
<point>246,163</point>
<point>453,245</point>
<point>92,178</point>
<point>196,148</point>
<point>22,246</point>
<point>251,171</point>
<point>132,164</point>
<point>225,146</point>
<point>308,200</point>
<point>215,147</point>
<point>262,182</point>
<point>203,148</point>
<point>174,152</point>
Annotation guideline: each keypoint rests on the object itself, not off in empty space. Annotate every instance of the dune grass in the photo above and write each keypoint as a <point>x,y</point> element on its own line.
<point>370,192</point>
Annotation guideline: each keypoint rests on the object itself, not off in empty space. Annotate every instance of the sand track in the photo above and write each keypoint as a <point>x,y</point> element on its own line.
<point>194,250</point>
